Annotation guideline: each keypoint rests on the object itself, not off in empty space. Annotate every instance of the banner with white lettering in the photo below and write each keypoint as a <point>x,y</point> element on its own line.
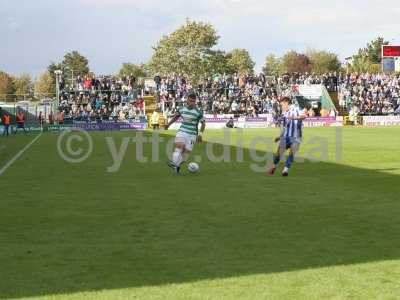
<point>381,120</point>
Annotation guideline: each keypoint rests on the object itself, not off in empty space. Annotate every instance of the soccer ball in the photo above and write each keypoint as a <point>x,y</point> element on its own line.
<point>193,167</point>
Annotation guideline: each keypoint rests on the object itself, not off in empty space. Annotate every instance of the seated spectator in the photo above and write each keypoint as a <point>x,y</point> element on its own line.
<point>230,123</point>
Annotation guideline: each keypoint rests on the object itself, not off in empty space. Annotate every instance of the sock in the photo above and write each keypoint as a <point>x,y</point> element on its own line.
<point>289,160</point>
<point>177,157</point>
<point>277,159</point>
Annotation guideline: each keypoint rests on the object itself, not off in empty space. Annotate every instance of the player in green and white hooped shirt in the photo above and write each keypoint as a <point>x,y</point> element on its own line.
<point>188,133</point>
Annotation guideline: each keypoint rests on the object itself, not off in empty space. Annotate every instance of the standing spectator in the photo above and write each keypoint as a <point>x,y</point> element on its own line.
<point>40,120</point>
<point>353,115</point>
<point>157,80</point>
<point>20,121</point>
<point>155,119</point>
<point>6,123</point>
<point>51,119</point>
<point>61,117</point>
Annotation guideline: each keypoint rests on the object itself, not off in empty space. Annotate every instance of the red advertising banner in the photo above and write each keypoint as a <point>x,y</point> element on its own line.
<point>391,51</point>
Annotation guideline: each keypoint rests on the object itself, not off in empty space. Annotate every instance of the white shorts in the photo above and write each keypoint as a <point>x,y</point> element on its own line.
<point>287,142</point>
<point>187,139</point>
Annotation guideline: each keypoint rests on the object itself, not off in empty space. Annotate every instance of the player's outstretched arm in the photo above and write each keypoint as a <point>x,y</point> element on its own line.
<point>282,132</point>
<point>303,117</point>
<point>300,117</point>
<point>173,120</point>
<point>202,128</point>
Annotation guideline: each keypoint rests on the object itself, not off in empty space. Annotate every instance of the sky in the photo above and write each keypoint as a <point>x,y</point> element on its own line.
<point>34,33</point>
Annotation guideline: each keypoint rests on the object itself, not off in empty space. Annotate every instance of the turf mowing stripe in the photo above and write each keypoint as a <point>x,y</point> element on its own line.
<point>12,160</point>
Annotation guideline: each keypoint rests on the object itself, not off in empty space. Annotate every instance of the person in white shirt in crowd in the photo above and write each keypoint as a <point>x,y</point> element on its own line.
<point>353,115</point>
<point>155,120</point>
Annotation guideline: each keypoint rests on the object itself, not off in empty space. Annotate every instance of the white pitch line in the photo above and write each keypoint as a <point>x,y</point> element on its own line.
<point>12,160</point>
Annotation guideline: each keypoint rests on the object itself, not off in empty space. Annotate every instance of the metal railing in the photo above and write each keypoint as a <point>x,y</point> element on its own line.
<point>34,113</point>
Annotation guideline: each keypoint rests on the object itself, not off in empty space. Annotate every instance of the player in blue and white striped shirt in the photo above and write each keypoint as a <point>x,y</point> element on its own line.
<point>291,135</point>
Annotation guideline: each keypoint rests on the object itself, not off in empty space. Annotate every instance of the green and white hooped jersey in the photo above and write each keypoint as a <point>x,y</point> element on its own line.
<point>190,120</point>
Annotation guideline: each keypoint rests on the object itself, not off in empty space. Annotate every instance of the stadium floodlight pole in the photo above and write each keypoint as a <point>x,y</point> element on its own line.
<point>57,101</point>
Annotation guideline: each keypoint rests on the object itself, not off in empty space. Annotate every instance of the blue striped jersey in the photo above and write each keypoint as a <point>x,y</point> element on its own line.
<point>190,120</point>
<point>292,128</point>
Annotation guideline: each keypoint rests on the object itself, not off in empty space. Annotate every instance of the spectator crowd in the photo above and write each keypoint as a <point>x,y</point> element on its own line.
<point>368,94</point>
<point>234,94</point>
<point>120,98</point>
<point>254,95</point>
<point>102,98</point>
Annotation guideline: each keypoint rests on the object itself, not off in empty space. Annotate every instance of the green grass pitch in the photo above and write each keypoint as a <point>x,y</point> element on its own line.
<point>331,230</point>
